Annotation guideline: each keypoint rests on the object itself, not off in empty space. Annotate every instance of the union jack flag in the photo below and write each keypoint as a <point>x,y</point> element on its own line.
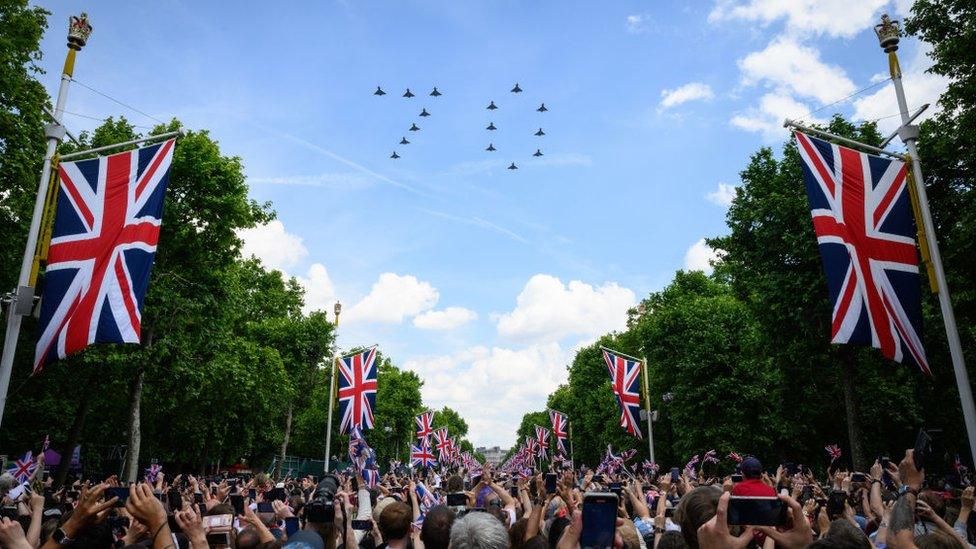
<point>372,477</point>
<point>153,472</point>
<point>690,466</point>
<point>625,378</point>
<point>735,457</point>
<point>424,422</point>
<point>23,468</point>
<point>106,228</point>
<point>357,390</point>
<point>443,444</point>
<point>542,438</point>
<point>360,453</point>
<point>531,446</point>
<point>710,457</point>
<point>560,424</point>
<point>421,455</point>
<point>862,215</point>
<point>833,451</point>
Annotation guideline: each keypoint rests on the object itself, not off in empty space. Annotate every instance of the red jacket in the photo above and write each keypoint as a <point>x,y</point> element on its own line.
<point>753,487</point>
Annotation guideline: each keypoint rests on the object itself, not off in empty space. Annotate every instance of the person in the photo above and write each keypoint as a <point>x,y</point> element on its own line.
<point>436,530</point>
<point>752,484</point>
<point>478,531</point>
<point>394,525</point>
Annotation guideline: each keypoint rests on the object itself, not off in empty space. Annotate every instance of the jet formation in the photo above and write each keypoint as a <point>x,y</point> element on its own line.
<point>492,106</point>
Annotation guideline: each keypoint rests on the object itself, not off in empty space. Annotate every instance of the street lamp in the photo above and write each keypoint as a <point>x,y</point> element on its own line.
<point>337,309</point>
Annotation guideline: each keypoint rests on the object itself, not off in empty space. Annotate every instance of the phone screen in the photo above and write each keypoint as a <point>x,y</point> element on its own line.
<point>736,478</point>
<point>198,498</point>
<point>362,525</point>
<point>265,507</point>
<point>599,520</point>
<point>291,526</point>
<point>175,500</point>
<point>835,504</point>
<point>513,491</point>
<point>858,477</point>
<point>756,511</point>
<point>252,493</point>
<point>457,499</point>
<point>117,492</point>
<point>237,500</point>
<point>675,474</point>
<point>218,538</point>
<point>550,483</point>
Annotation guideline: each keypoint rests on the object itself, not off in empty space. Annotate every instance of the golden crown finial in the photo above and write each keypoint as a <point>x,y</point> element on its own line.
<point>79,29</point>
<point>889,33</point>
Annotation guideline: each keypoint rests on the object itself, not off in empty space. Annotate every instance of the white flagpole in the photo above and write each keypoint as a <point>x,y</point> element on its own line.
<point>888,35</point>
<point>650,421</point>
<point>328,433</point>
<point>22,300</point>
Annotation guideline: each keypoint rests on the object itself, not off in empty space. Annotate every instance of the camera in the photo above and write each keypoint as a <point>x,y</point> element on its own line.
<point>321,508</point>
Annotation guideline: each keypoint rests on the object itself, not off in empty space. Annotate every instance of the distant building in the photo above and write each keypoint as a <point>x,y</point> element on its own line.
<point>493,455</point>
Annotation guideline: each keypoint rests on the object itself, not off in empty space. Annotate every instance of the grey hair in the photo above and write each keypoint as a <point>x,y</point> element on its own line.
<point>479,531</point>
<point>7,483</point>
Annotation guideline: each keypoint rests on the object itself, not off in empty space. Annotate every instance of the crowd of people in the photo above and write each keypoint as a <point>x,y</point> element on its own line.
<point>891,505</point>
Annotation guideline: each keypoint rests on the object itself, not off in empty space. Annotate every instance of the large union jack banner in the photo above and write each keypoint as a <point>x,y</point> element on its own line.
<point>862,215</point>
<point>424,421</point>
<point>357,390</point>
<point>103,242</point>
<point>625,382</point>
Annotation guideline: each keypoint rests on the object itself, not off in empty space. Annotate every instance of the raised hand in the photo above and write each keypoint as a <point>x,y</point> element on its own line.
<point>799,535</point>
<point>144,507</point>
<point>715,534</point>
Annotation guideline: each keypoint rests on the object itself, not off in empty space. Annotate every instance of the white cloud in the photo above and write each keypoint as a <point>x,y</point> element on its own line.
<point>492,387</point>
<point>446,319</point>
<point>273,245</point>
<point>768,117</point>
<point>723,195</point>
<point>691,91</point>
<point>920,88</point>
<point>699,255</point>
<point>548,310</point>
<point>787,65</point>
<point>842,18</point>
<point>320,292</point>
<point>392,298</point>
<point>636,24</point>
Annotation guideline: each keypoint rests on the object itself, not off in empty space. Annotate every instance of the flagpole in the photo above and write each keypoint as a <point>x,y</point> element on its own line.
<point>650,421</point>
<point>21,301</point>
<point>572,454</point>
<point>328,433</point>
<point>888,36</point>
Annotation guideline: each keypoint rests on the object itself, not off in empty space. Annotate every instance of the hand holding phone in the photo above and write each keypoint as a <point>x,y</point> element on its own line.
<point>599,520</point>
<point>756,511</point>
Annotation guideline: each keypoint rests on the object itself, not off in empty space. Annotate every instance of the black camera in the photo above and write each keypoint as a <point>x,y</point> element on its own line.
<point>321,509</point>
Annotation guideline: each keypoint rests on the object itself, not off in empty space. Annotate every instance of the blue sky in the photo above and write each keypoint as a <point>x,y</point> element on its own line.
<point>482,279</point>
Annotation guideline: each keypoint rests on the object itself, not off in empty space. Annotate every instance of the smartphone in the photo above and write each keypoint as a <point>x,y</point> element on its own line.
<point>218,538</point>
<point>252,494</point>
<point>598,478</point>
<point>117,492</point>
<point>550,483</point>
<point>599,520</point>
<point>790,468</point>
<point>807,492</point>
<point>513,491</point>
<point>218,521</point>
<point>279,494</point>
<point>175,500</point>
<point>756,511</point>
<point>669,512</point>
<point>858,477</point>
<point>675,474</point>
<point>292,525</point>
<point>457,499</point>
<point>835,504</point>
<point>362,525</point>
<point>9,511</point>
<point>198,498</point>
<point>265,507</point>
<point>885,460</point>
<point>213,490</point>
<point>237,501</point>
<point>737,478</point>
<point>616,488</point>
<point>174,526</point>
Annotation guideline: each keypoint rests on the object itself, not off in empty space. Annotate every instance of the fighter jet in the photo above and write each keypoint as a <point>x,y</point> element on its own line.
<point>516,89</point>
<point>403,141</point>
<point>492,106</point>
<point>513,166</point>
<point>394,156</point>
<point>540,133</point>
<point>490,147</point>
<point>435,93</point>
<point>537,153</point>
<point>542,108</point>
<point>491,126</point>
<point>379,91</point>
<point>407,93</point>
<point>424,113</point>
<point>416,128</point>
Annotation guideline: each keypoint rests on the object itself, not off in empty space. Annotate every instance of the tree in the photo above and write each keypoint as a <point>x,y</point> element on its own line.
<point>448,417</point>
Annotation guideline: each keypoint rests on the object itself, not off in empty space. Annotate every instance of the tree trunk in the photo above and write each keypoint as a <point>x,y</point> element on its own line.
<point>850,405</point>
<point>135,430</point>
<point>74,435</point>
<point>284,443</point>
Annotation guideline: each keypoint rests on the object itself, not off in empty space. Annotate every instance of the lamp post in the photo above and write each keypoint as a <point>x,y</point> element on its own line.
<point>22,299</point>
<point>889,33</point>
